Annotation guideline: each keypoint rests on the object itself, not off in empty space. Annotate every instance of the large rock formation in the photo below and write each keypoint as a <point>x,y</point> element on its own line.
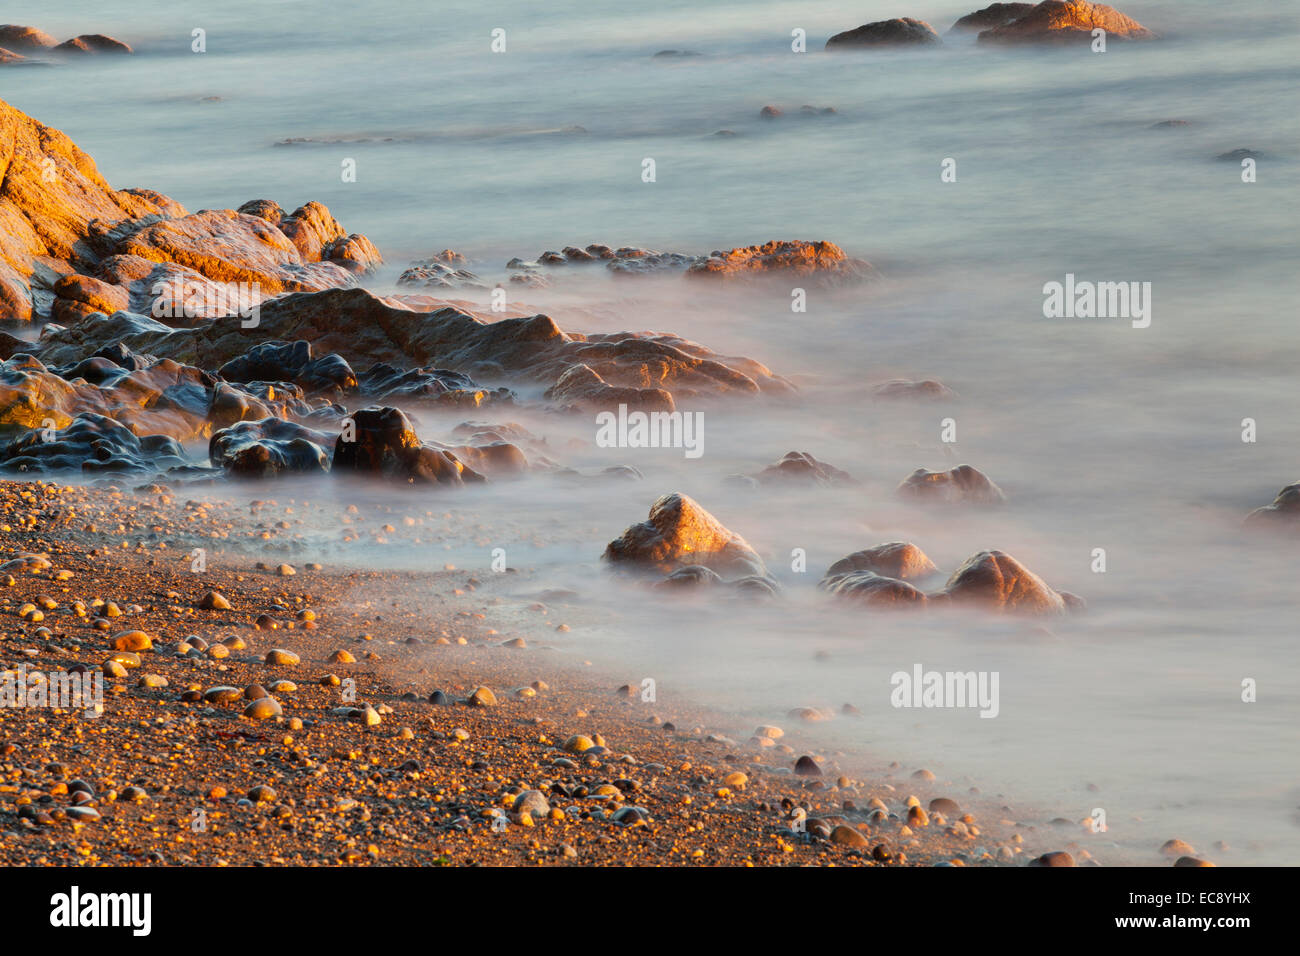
<point>1061,22</point>
<point>92,444</point>
<point>363,327</point>
<point>65,234</point>
<point>384,444</point>
<point>903,31</point>
<point>678,534</point>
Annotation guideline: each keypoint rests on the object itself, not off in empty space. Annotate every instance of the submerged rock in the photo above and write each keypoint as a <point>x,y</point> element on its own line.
<point>277,361</point>
<point>996,581</point>
<point>92,43</point>
<point>24,39</point>
<point>822,260</point>
<point>960,485</point>
<point>928,389</point>
<point>897,559</point>
<point>877,590</point>
<point>680,533</point>
<point>1060,22</point>
<point>802,468</point>
<point>902,31</point>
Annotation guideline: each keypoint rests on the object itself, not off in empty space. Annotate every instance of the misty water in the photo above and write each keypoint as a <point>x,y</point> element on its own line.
<point>1102,435</point>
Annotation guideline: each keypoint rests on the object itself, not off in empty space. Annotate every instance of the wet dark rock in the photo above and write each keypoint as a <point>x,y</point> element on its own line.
<point>995,581</point>
<point>268,447</point>
<point>384,383</point>
<point>690,577</point>
<point>995,15</point>
<point>875,590</point>
<point>799,467</point>
<point>1056,858</point>
<point>291,362</point>
<point>93,43</point>
<point>437,274</point>
<point>386,445</point>
<point>1283,512</point>
<point>89,444</point>
<point>904,388</point>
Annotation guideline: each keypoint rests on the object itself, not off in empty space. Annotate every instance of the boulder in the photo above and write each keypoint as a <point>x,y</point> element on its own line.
<point>269,447</point>
<point>1283,512</point>
<point>679,533</point>
<point>386,445</point>
<point>903,31</point>
<point>897,559</point>
<point>820,260</point>
<point>901,388</point>
<point>799,467</point>
<point>1062,22</point>
<point>996,581</point>
<point>995,15</point>
<point>961,485</point>
<point>92,43</point>
<point>24,39</point>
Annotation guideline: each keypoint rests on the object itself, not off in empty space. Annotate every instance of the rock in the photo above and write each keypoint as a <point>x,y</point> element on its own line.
<point>386,445</point>
<point>846,835</point>
<point>806,766</point>
<point>92,43</point>
<point>581,388</point>
<point>869,588</point>
<point>1191,861</point>
<point>1060,22</point>
<point>277,361</point>
<point>801,467</point>
<point>902,388</point>
<point>995,15</point>
<point>342,657</point>
<point>24,39</point>
<point>482,697</point>
<point>691,577</point>
<point>946,807</point>
<point>280,657</point>
<point>1056,858</point>
<point>269,447</point>
<point>262,793</point>
<point>1176,847</point>
<point>50,194</point>
<point>961,485</point>
<point>818,260</point>
<point>680,533</point>
<point>214,601</point>
<point>578,744</point>
<point>91,444</point>
<point>223,694</point>
<point>1283,512</point>
<point>132,641</point>
<point>904,31</point>
<point>263,708</point>
<point>769,112</point>
<point>995,581</point>
<point>532,802</point>
<point>897,559</point>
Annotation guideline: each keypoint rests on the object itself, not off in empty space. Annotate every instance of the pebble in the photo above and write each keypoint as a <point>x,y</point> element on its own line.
<point>532,802</point>
<point>846,835</point>
<point>342,657</point>
<point>214,601</point>
<point>806,766</point>
<point>945,806</point>
<point>152,680</point>
<point>923,775</point>
<point>482,697</point>
<point>1177,847</point>
<point>263,708</point>
<point>279,655</point>
<point>262,793</point>
<point>578,744</point>
<point>132,641</point>
<point>1056,858</point>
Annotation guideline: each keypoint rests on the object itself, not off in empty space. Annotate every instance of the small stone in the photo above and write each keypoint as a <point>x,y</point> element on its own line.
<point>482,697</point>
<point>132,641</point>
<point>848,836</point>
<point>280,656</point>
<point>152,680</point>
<point>342,657</point>
<point>578,744</point>
<point>806,766</point>
<point>263,708</point>
<point>214,601</point>
<point>923,775</point>
<point>262,793</point>
<point>285,571</point>
<point>532,802</point>
<point>1057,858</point>
<point>1177,847</point>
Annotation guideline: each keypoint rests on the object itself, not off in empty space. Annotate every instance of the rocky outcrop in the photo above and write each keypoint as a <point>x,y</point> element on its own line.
<point>91,444</point>
<point>962,485</point>
<point>1062,22</point>
<point>995,581</point>
<point>362,327</point>
<point>822,260</point>
<point>995,15</point>
<point>897,559</point>
<point>385,445</point>
<point>679,533</point>
<point>62,225</point>
<point>904,31</point>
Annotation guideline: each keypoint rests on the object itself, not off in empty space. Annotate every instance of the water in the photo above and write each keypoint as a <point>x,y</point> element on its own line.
<point>1101,434</point>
